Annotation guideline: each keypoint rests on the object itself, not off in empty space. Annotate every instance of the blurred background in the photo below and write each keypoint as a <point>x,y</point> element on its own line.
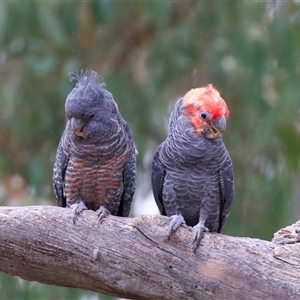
<point>150,53</point>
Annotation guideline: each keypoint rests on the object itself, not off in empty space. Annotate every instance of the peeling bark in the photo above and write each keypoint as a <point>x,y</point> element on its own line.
<point>131,258</point>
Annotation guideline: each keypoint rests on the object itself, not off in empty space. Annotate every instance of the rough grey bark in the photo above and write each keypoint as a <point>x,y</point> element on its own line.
<point>131,258</point>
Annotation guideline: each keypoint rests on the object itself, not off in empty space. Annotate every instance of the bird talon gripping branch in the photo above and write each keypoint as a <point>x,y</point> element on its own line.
<point>96,156</point>
<point>192,174</point>
<point>198,233</point>
<point>176,221</point>
<point>77,208</point>
<point>102,212</point>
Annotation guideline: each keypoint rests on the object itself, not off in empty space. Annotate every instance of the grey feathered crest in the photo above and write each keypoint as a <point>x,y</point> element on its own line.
<point>85,77</point>
<point>89,84</point>
<point>92,89</point>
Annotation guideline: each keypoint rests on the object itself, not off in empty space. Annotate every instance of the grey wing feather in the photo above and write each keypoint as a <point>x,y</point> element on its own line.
<point>59,170</point>
<point>129,177</point>
<point>226,183</point>
<point>158,175</point>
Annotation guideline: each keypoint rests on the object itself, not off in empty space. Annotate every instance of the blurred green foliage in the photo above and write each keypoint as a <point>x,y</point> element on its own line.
<point>150,53</point>
<point>15,288</point>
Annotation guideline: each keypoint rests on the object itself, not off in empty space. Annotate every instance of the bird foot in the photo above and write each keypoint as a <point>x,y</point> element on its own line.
<point>198,233</point>
<point>176,221</point>
<point>77,209</point>
<point>102,212</point>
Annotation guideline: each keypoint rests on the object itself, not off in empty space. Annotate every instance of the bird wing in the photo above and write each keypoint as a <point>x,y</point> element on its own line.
<point>158,176</point>
<point>226,184</point>
<point>129,177</point>
<point>59,170</point>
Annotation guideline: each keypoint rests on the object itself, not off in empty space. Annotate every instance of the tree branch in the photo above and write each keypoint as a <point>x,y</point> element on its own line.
<point>132,258</point>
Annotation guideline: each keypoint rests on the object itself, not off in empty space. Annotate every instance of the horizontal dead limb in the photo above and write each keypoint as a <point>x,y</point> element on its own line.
<point>131,258</point>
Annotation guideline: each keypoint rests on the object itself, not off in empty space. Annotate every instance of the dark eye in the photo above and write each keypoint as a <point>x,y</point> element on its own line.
<point>204,115</point>
<point>92,116</point>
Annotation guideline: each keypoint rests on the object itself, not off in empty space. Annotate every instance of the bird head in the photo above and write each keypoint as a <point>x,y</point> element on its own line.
<point>206,110</point>
<point>88,105</point>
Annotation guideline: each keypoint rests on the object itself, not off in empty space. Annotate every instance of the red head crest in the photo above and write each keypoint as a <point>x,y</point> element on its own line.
<point>205,99</point>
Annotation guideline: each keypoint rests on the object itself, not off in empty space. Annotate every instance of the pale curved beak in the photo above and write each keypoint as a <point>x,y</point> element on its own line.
<point>219,124</point>
<point>77,126</point>
<point>217,128</point>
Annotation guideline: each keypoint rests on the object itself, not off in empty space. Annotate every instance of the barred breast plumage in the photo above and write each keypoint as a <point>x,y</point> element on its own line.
<point>95,165</point>
<point>192,174</point>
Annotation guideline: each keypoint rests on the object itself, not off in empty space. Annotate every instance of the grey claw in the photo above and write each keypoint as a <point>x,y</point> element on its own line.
<point>176,221</point>
<point>102,212</point>
<point>198,233</point>
<point>77,209</point>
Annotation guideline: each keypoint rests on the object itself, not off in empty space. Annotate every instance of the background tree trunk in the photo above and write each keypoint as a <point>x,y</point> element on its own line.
<point>131,258</point>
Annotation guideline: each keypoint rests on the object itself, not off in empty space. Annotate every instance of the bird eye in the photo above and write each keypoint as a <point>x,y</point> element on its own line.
<point>92,116</point>
<point>204,115</point>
